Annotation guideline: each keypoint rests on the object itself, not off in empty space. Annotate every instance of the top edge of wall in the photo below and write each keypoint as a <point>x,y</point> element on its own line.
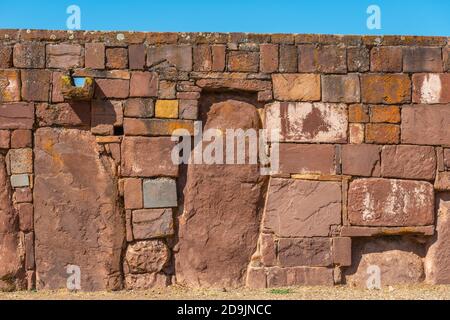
<point>130,37</point>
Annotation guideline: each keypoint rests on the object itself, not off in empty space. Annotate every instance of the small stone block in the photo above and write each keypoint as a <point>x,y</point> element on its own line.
<point>152,223</point>
<point>20,180</point>
<point>160,193</point>
<point>166,109</point>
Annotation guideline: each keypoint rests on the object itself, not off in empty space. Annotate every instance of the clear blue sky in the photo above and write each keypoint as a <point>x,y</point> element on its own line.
<point>407,17</point>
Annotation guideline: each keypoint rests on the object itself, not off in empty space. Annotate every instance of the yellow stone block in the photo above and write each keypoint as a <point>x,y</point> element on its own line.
<point>166,109</point>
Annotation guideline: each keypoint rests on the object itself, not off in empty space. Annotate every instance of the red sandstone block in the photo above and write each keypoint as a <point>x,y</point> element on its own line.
<point>341,88</point>
<point>267,248</point>
<point>136,53</point>
<point>358,113</point>
<point>256,278</point>
<point>36,85</point>
<point>188,109</point>
<point>167,90</point>
<point>342,251</point>
<point>361,160</point>
<point>408,162</point>
<point>113,88</point>
<point>139,108</point>
<point>4,139</point>
<point>64,56</point>
<point>218,57</point>
<point>447,158</point>
<point>446,54</point>
<point>243,61</point>
<point>21,139</point>
<point>75,113</point>
<point>156,161</point>
<point>178,55</point>
<point>356,133</point>
<point>385,88</point>
<point>155,127</point>
<point>116,58</point>
<point>23,195</point>
<point>324,59</point>
<point>422,59</point>
<point>431,88</point>
<point>386,59</point>
<point>268,58</point>
<point>56,87</point>
<point>309,276</point>
<point>29,251</point>
<point>9,85</point>
<point>95,55</point>
<point>382,133</point>
<point>304,159</point>
<point>144,84</point>
<point>29,55</point>
<point>25,216</point>
<point>16,116</point>
<point>5,56</point>
<point>312,252</point>
<point>276,277</point>
<point>133,193</point>
<point>288,58</point>
<point>358,59</point>
<point>391,203</point>
<point>389,114</point>
<point>202,58</point>
<point>105,116</point>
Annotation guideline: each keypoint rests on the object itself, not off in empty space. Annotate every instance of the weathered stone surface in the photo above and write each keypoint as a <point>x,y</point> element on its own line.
<point>4,139</point>
<point>390,202</point>
<point>342,251</point>
<point>323,59</point>
<point>218,57</point>
<point>105,116</point>
<point>16,116</point>
<point>309,276</point>
<point>267,250</point>
<point>152,223</point>
<point>312,252</point>
<point>256,278</point>
<point>299,158</point>
<point>431,88</point>
<point>437,260</point>
<point>389,114</point>
<point>288,58</point>
<point>424,124</point>
<point>358,59</point>
<point>156,127</point>
<point>9,85</point>
<point>5,57</point>
<point>243,61</point>
<point>341,88</point>
<point>296,87</point>
<point>166,109</point>
<point>422,59</point>
<point>159,193</point>
<point>20,180</point>
<point>148,157</point>
<point>95,55</point>
<point>219,227</point>
<point>92,235</point>
<point>113,88</point>
<point>361,160</point>
<point>356,133</point>
<point>358,113</point>
<point>146,257</point>
<point>386,59</point>
<point>447,157</point>
<point>21,139</point>
<point>116,58</point>
<point>29,55</point>
<point>317,204</point>
<point>382,133</point>
<point>179,56</point>
<point>167,90</point>
<point>22,195</point>
<point>408,162</point>
<point>385,88</point>
<point>399,261</point>
<point>11,268</point>
<point>146,281</point>
<point>354,231</point>
<point>268,57</point>
<point>75,113</point>
<point>136,53</point>
<point>307,122</point>
<point>144,84</point>
<point>21,160</point>
<point>442,182</point>
<point>36,85</point>
<point>132,189</point>
<point>64,56</point>
<point>188,109</point>
<point>139,108</point>
<point>238,84</point>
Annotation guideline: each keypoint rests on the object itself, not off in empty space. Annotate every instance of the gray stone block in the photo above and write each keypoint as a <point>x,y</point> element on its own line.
<point>160,193</point>
<point>152,223</point>
<point>20,180</point>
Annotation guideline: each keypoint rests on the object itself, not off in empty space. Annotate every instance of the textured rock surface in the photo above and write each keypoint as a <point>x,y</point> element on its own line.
<point>78,218</point>
<point>152,223</point>
<point>313,252</point>
<point>308,122</point>
<point>219,227</point>
<point>399,261</point>
<point>11,257</point>
<point>298,158</point>
<point>146,257</point>
<point>299,208</point>
<point>390,202</point>
<point>437,260</point>
<point>361,160</point>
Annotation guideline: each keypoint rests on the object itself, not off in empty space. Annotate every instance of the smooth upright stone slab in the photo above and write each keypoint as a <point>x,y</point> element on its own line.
<point>160,193</point>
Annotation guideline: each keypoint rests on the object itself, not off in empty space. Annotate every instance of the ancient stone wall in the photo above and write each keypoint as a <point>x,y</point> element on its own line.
<point>364,150</point>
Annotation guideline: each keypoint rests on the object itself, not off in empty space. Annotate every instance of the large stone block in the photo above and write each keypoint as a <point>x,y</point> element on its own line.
<point>21,160</point>
<point>152,223</point>
<point>179,56</point>
<point>36,85</point>
<point>422,59</point>
<point>268,57</point>
<point>385,88</point>
<point>148,157</point>
<point>341,88</point>
<point>144,84</point>
<point>308,122</point>
<point>408,162</point>
<point>16,116</point>
<point>422,124</point>
<point>29,55</point>
<point>160,193</point>
<point>146,257</point>
<point>361,160</point>
<point>156,127</point>
<point>299,158</point>
<point>386,59</point>
<point>390,202</point>
<point>112,88</point>
<point>296,87</point>
<point>243,61</point>
<point>312,252</point>
<point>431,88</point>
<point>323,59</point>
<point>78,219</point>
<point>64,56</point>
<point>317,204</point>
<point>74,113</point>
<point>95,55</point>
<point>437,260</point>
<point>9,85</point>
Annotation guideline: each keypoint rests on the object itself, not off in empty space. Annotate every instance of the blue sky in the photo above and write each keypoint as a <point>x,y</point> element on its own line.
<point>406,17</point>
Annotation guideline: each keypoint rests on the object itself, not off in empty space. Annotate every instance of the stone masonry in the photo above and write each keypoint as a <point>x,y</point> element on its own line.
<point>364,149</point>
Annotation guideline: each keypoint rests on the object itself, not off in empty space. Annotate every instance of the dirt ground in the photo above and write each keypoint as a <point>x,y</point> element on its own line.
<point>420,292</point>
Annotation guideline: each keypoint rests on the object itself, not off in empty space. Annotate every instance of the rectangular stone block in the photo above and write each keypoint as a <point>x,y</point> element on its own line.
<point>387,114</point>
<point>356,133</point>
<point>116,58</point>
<point>390,202</point>
<point>358,59</point>
<point>422,59</point>
<point>9,85</point>
<point>316,203</point>
<point>322,59</point>
<point>143,84</point>
<point>95,55</point>
<point>268,58</point>
<point>352,231</point>
<point>105,116</point>
<point>202,58</point>
<point>427,125</point>
<point>386,59</point>
<point>299,158</point>
<point>361,160</point>
<point>431,88</point>
<point>5,138</point>
<point>309,276</point>
<point>21,160</point>
<point>160,193</point>
<point>296,87</point>
<point>442,182</point>
<point>179,56</point>
<point>139,108</point>
<point>156,127</point>
<point>29,251</point>
<point>312,252</point>
<point>132,189</point>
<point>382,133</point>
<point>288,58</point>
<point>358,113</point>
<point>20,180</point>
<point>112,88</point>
<point>307,122</point>
<point>25,216</point>
<point>188,109</point>
<point>5,57</point>
<point>36,85</point>
<point>148,157</point>
<point>23,195</point>
<point>447,158</point>
<point>136,54</point>
<point>408,162</point>
<point>29,55</point>
<point>64,56</point>
<point>16,116</point>
<point>218,57</point>
<point>385,88</point>
<point>152,223</point>
<point>341,88</point>
<point>243,61</point>
<point>166,109</point>
<point>342,251</point>
<point>74,113</point>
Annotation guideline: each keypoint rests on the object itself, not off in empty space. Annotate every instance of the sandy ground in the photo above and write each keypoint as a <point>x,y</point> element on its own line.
<point>420,292</point>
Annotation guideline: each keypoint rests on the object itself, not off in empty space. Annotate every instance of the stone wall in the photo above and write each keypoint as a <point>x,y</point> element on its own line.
<point>364,175</point>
